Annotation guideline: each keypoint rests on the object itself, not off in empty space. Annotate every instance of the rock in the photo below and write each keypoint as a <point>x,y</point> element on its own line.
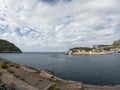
<point>4,86</point>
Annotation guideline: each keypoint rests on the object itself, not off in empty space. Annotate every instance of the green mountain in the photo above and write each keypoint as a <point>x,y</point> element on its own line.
<point>8,47</point>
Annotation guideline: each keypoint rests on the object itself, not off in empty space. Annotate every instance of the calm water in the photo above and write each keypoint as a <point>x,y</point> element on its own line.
<point>89,69</point>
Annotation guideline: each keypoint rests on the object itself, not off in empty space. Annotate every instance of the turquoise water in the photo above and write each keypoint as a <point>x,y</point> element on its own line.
<point>88,69</point>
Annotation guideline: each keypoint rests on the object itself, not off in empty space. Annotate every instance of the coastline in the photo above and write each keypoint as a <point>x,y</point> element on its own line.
<point>87,53</point>
<point>35,79</point>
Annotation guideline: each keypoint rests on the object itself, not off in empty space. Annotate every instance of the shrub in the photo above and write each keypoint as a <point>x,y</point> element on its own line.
<point>10,71</point>
<point>54,87</point>
<point>5,62</point>
<point>17,66</point>
<point>57,88</point>
<point>16,76</point>
<point>4,66</point>
<point>40,80</point>
<point>11,65</point>
<point>22,79</point>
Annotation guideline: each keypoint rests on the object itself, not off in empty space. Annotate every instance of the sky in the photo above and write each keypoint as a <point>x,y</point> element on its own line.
<point>57,25</point>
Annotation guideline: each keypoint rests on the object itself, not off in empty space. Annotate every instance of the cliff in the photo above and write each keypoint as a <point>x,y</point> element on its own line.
<point>96,49</point>
<point>8,47</point>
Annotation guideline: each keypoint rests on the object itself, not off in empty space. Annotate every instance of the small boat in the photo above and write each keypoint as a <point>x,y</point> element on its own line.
<point>54,55</point>
<point>118,51</point>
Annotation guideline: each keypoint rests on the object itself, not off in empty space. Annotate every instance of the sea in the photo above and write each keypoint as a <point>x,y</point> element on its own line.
<point>88,69</point>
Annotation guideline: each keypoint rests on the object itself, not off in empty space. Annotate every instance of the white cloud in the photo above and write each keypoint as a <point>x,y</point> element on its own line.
<point>34,25</point>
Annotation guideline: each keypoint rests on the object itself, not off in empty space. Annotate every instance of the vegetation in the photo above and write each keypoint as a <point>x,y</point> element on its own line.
<point>58,81</point>
<point>81,48</point>
<point>22,79</point>
<point>4,66</point>
<point>57,88</point>
<point>10,71</point>
<point>105,47</point>
<point>54,87</point>
<point>5,62</point>
<point>17,66</point>
<point>98,48</point>
<point>16,75</point>
<point>116,43</point>
<point>11,65</point>
<point>7,47</point>
<point>109,47</point>
<point>40,80</point>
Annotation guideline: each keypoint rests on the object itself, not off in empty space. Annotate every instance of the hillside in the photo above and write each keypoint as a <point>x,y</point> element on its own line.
<point>8,47</point>
<point>116,43</point>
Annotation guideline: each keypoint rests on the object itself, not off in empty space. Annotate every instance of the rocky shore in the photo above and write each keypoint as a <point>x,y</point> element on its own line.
<point>21,77</point>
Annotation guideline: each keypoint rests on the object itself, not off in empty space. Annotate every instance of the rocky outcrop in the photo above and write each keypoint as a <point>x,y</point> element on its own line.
<point>8,47</point>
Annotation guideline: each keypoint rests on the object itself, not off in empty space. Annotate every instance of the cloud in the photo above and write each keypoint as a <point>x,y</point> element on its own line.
<point>44,25</point>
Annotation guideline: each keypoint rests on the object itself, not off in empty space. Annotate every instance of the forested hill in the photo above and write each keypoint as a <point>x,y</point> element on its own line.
<point>8,47</point>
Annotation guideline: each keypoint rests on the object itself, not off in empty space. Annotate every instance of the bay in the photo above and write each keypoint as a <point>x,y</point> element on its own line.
<point>88,69</point>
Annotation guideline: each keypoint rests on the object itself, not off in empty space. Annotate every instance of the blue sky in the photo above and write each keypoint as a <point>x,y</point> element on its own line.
<point>57,25</point>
